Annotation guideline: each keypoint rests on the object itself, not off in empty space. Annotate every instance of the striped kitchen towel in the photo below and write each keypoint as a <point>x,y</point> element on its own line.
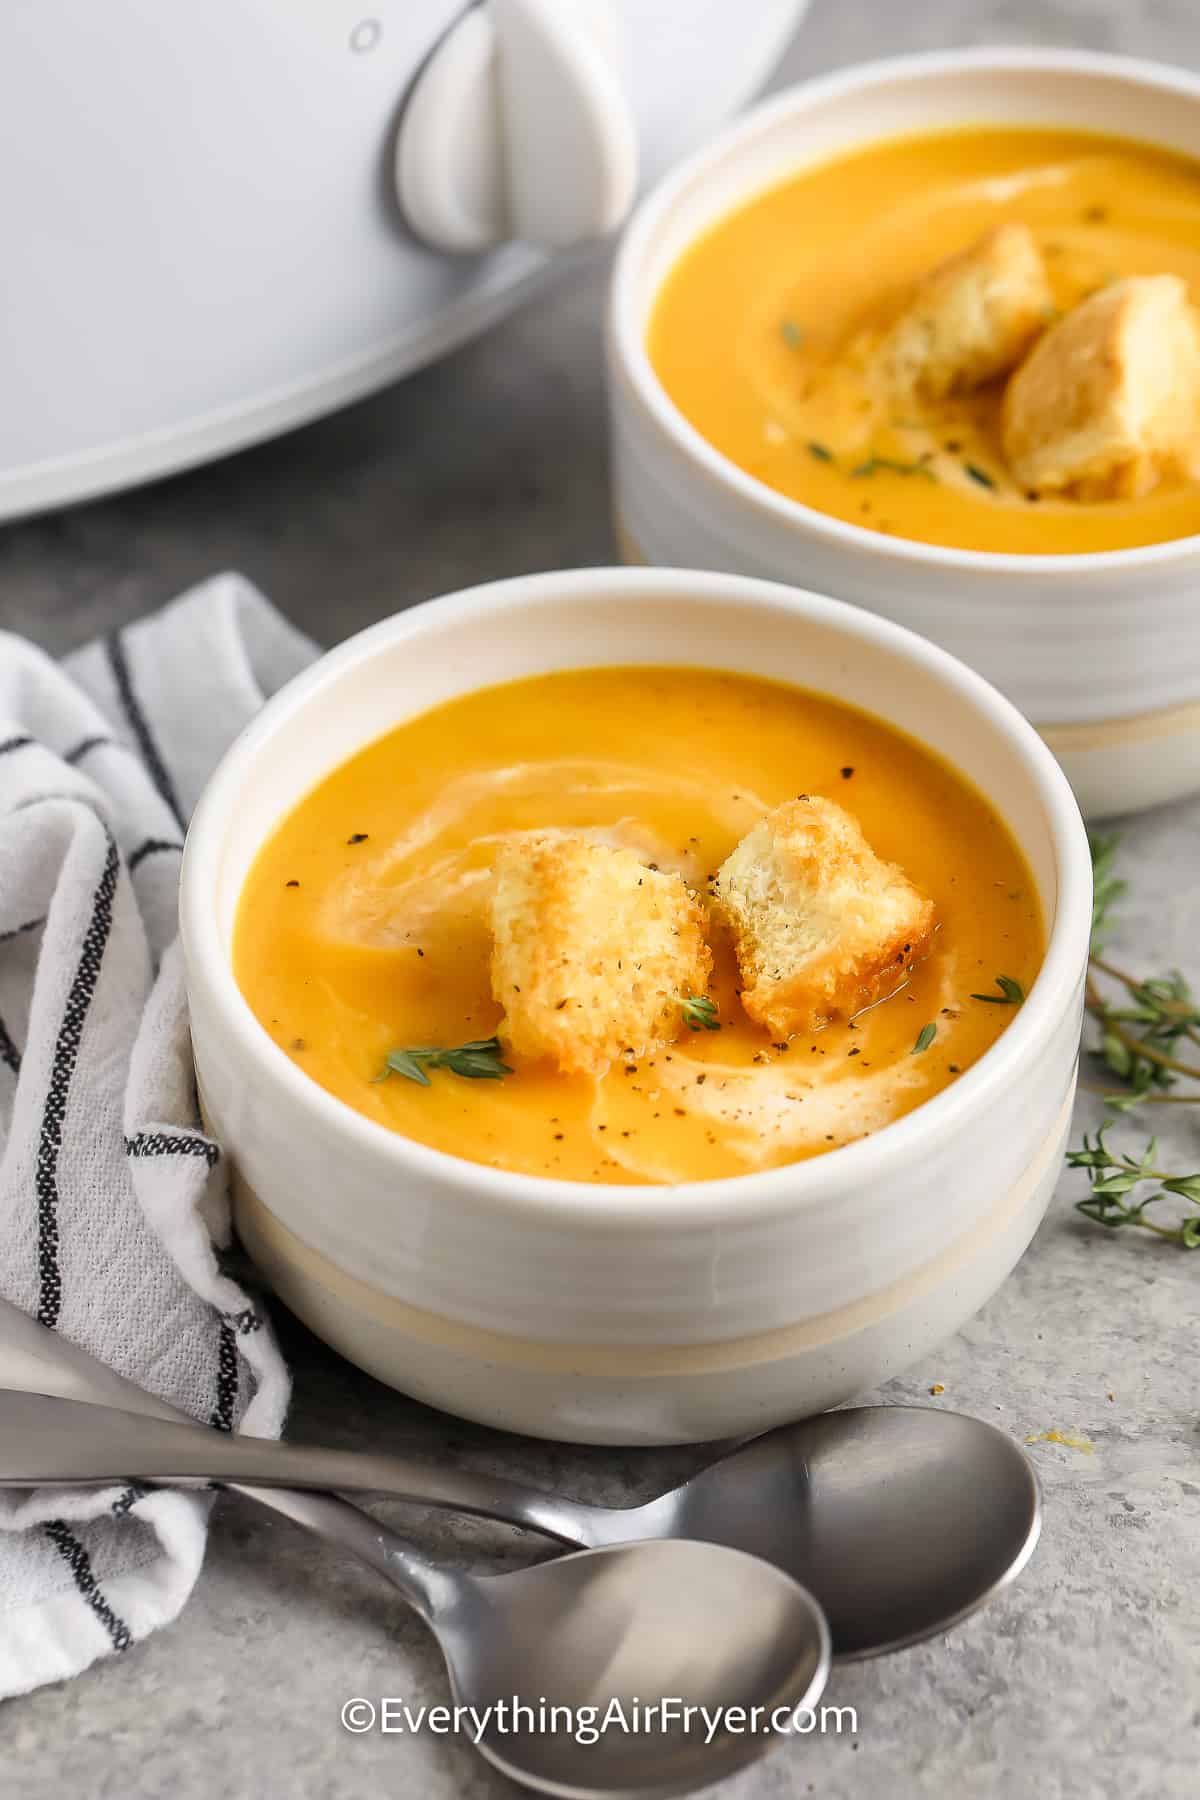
<point>113,1204</point>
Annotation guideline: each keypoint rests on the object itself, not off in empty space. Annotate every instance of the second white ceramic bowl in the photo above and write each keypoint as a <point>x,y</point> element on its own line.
<point>1101,652</point>
<point>626,1314</point>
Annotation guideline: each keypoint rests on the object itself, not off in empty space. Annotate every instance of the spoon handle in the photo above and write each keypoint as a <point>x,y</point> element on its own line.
<point>32,1357</point>
<point>48,1439</point>
<point>426,1587</point>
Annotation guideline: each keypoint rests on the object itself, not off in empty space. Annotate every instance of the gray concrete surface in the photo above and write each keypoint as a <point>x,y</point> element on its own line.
<point>1084,1680</point>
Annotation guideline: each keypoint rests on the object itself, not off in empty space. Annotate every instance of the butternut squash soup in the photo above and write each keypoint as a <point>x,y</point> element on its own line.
<point>365,934</point>
<point>982,338</point>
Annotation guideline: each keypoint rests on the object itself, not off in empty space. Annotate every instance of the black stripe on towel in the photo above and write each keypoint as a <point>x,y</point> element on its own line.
<point>243,1322</point>
<point>10,1056</point>
<point>127,1499</point>
<point>118,662</point>
<point>14,743</point>
<point>151,847</point>
<point>80,1565</point>
<point>66,1054</point>
<point>162,1143</point>
<point>86,747</point>
<point>221,1415</point>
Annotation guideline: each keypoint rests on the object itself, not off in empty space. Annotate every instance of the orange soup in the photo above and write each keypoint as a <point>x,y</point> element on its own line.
<point>363,926</point>
<point>757,332</point>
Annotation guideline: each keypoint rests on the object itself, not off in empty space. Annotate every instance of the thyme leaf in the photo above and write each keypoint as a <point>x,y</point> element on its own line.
<point>791,334</point>
<point>979,475</point>
<point>925,1037</point>
<point>874,464</point>
<point>700,1012</point>
<point>479,1060</point>
<point>1011,993</point>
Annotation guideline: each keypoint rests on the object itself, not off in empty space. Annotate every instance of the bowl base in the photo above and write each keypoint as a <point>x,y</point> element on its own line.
<point>652,1394</point>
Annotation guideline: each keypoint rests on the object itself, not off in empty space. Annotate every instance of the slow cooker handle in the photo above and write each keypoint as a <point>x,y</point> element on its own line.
<point>519,127</point>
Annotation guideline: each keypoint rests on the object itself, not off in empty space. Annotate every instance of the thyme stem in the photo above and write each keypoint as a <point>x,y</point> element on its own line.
<point>1136,1045</point>
<point>1118,1099</point>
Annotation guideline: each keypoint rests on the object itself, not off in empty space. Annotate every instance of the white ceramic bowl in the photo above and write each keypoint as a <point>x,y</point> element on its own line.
<point>1101,652</point>
<point>615,1313</point>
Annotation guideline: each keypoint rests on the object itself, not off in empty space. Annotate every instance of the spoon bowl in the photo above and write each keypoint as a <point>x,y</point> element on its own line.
<point>902,1520</point>
<point>593,1643</point>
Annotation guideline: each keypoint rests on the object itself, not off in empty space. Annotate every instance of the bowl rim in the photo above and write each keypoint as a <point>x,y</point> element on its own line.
<point>761,1194</point>
<point>629,361</point>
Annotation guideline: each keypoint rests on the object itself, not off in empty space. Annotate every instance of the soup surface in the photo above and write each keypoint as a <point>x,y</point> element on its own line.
<point>363,925</point>
<point>751,331</point>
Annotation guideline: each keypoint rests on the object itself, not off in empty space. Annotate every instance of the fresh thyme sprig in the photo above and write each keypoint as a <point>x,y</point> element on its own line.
<point>1140,1035</point>
<point>1115,1181</point>
<point>1139,1040</point>
<point>479,1060</point>
<point>1011,993</point>
<point>1107,888</point>
<point>700,1012</point>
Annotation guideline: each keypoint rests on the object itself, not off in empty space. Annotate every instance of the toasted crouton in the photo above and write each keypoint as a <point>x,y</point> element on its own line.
<point>822,925</point>
<point>593,952</point>
<point>1109,395</point>
<point>972,318</point>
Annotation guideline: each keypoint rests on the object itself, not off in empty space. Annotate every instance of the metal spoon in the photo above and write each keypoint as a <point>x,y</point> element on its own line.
<point>901,1520</point>
<point>636,1624</point>
<point>633,1623</point>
